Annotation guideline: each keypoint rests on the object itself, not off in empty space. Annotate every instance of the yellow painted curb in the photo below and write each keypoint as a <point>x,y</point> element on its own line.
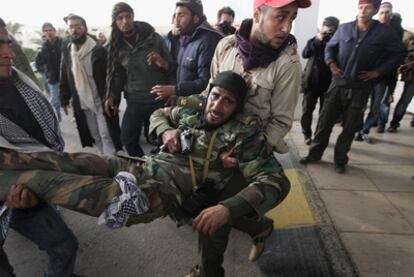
<point>295,209</point>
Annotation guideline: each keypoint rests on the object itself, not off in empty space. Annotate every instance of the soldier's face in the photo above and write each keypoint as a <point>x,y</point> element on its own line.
<point>273,25</point>
<point>6,55</point>
<point>221,105</point>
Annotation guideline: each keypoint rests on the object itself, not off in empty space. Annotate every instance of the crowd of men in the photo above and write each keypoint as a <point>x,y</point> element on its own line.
<point>236,91</point>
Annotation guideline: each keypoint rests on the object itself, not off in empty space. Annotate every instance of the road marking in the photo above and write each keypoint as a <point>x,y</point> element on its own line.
<point>294,210</point>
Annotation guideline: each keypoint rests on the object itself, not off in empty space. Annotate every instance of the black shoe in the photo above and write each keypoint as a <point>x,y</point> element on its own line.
<point>380,129</point>
<point>340,169</point>
<point>308,160</point>
<point>392,129</point>
<point>358,137</point>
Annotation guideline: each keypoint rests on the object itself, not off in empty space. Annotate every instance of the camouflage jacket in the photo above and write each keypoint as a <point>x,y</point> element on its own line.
<point>266,186</point>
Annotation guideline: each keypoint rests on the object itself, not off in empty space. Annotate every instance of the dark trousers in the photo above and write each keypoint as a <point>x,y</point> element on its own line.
<point>135,117</point>
<point>385,104</point>
<point>212,248</point>
<point>402,105</point>
<point>46,229</point>
<point>310,98</point>
<point>350,103</point>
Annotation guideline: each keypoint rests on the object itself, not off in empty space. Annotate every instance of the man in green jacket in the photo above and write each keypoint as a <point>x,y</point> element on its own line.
<point>192,183</point>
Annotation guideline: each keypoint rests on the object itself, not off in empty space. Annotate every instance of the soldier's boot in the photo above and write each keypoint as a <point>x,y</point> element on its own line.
<point>259,242</point>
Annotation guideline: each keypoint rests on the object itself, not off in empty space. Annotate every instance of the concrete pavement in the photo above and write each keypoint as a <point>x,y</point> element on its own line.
<point>372,205</point>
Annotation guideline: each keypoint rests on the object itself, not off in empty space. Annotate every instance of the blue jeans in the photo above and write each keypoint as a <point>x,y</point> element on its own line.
<point>401,108</point>
<point>377,96</point>
<point>55,98</point>
<point>46,229</point>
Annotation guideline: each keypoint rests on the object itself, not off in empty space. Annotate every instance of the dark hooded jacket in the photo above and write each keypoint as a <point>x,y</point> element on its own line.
<point>194,59</point>
<point>133,75</point>
<point>50,55</point>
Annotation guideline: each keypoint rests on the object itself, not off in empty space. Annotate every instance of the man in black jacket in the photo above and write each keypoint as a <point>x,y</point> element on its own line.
<point>83,57</point>
<point>50,53</point>
<point>317,76</point>
<point>130,70</point>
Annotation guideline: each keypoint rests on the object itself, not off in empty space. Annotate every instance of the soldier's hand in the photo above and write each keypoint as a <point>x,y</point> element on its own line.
<point>368,75</point>
<point>21,197</point>
<point>211,219</point>
<point>171,140</point>
<point>336,71</point>
<point>227,160</point>
<point>110,108</point>
<point>155,58</point>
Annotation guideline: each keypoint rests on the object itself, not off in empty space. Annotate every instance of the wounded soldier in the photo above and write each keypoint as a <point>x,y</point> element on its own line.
<point>123,192</point>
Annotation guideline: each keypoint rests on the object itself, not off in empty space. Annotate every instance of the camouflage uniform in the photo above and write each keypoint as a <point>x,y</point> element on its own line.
<point>83,182</point>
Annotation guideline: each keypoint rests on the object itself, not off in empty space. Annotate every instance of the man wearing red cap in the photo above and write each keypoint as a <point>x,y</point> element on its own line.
<point>354,58</point>
<point>264,52</point>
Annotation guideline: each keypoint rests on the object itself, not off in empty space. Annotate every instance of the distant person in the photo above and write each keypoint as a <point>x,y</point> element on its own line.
<point>225,20</point>
<point>317,76</point>
<point>407,76</point>
<point>50,53</point>
<point>198,40</point>
<point>130,70</point>
<point>384,86</point>
<point>352,56</point>
<point>83,75</point>
<point>101,37</point>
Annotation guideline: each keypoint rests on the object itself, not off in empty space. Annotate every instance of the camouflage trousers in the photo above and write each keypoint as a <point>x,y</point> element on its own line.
<point>81,182</point>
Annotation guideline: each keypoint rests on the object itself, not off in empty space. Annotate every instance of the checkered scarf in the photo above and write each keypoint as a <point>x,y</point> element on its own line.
<point>15,135</point>
<point>42,112</point>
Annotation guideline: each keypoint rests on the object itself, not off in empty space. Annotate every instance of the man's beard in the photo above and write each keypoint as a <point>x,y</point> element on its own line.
<point>80,40</point>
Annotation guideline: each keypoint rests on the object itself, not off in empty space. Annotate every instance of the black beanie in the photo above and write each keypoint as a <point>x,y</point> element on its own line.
<point>233,83</point>
<point>119,8</point>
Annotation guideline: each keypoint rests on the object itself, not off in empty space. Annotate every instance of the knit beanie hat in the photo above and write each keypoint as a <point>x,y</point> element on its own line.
<point>233,83</point>
<point>195,6</point>
<point>119,8</point>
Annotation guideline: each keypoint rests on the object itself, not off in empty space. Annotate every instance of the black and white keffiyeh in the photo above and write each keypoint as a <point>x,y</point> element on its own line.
<point>42,112</point>
<point>132,201</point>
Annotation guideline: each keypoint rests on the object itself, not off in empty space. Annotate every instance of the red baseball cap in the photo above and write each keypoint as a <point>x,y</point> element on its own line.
<point>281,3</point>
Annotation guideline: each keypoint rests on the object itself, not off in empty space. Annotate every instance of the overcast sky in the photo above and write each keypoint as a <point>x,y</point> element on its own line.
<point>158,12</point>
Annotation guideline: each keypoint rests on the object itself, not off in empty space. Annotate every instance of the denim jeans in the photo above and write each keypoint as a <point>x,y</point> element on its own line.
<point>401,108</point>
<point>377,97</point>
<point>55,98</point>
<point>46,229</point>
